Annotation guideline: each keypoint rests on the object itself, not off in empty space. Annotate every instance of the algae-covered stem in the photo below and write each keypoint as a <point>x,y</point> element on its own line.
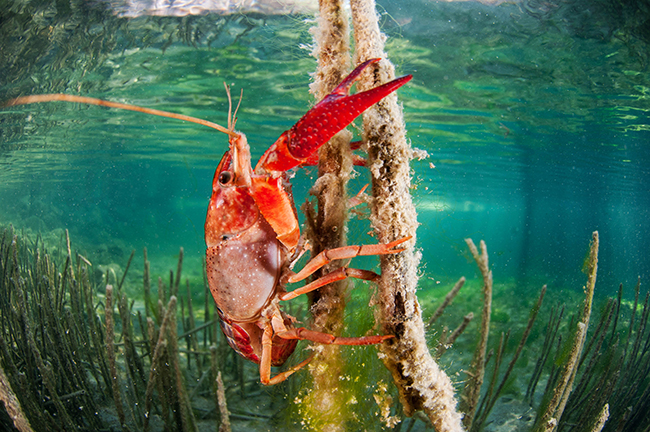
<point>110,350</point>
<point>549,419</point>
<point>422,384</point>
<point>326,228</point>
<point>12,404</point>
<point>472,390</point>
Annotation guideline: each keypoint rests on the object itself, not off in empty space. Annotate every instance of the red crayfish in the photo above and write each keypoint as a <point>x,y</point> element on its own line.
<point>252,233</point>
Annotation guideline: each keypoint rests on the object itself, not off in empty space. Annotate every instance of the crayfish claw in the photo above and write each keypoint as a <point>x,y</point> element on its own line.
<point>346,84</point>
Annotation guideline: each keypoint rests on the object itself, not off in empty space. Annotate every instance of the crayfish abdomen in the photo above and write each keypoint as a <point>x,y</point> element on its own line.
<point>244,270</point>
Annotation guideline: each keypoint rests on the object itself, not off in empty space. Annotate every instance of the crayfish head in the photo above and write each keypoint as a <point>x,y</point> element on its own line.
<point>232,209</point>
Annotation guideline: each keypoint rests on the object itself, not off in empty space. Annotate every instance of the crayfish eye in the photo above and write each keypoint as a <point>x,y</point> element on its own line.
<point>225,177</point>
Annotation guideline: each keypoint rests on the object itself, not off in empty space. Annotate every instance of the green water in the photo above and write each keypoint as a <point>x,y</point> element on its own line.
<point>537,135</point>
<point>536,119</point>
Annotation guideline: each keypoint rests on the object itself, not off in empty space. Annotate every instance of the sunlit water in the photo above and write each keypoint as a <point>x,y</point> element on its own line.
<point>537,134</point>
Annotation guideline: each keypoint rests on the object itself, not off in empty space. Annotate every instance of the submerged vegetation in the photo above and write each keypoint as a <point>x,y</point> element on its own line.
<point>78,354</point>
<point>595,377</point>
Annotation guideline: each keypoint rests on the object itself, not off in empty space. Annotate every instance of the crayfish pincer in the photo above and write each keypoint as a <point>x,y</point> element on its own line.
<point>252,233</point>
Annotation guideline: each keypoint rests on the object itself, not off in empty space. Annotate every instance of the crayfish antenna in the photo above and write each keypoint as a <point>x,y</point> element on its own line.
<point>60,97</point>
<point>227,87</point>
<point>232,118</point>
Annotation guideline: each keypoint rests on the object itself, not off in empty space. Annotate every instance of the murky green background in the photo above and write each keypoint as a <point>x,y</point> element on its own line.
<point>536,121</point>
<point>535,118</point>
<point>538,134</point>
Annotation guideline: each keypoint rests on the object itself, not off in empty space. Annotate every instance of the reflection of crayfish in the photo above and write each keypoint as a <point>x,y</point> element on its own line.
<point>251,229</point>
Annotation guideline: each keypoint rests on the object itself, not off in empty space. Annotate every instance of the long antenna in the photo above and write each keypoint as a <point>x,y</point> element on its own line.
<point>24,100</point>
<point>230,117</point>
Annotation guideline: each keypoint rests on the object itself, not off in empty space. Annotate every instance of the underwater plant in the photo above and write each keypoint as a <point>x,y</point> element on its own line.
<point>596,379</point>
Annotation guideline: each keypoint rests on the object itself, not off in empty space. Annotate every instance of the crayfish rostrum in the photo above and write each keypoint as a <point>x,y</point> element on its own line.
<point>252,231</point>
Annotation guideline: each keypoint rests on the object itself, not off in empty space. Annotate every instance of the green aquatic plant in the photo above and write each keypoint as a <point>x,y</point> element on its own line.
<point>471,393</point>
<point>614,371</point>
<point>552,412</point>
<point>595,378</point>
<point>128,370</point>
<point>494,391</point>
<point>481,395</point>
<point>43,313</point>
